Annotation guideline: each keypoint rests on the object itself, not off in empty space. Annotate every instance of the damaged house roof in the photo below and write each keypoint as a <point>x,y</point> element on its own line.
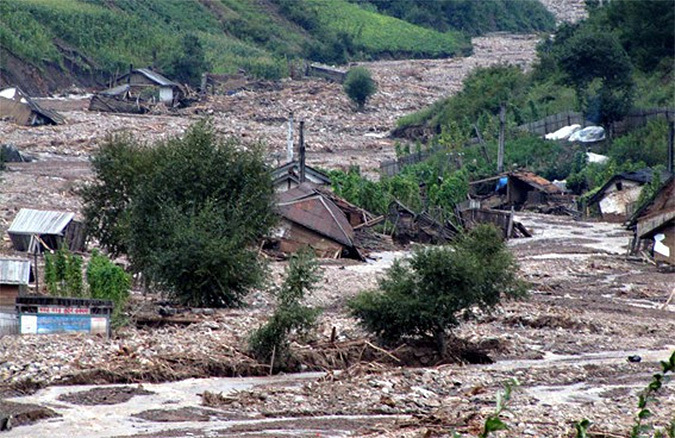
<point>15,271</point>
<point>29,221</point>
<point>18,107</point>
<point>642,176</point>
<point>355,215</point>
<point>151,76</point>
<point>319,214</point>
<point>535,181</point>
<point>291,172</point>
<point>657,212</point>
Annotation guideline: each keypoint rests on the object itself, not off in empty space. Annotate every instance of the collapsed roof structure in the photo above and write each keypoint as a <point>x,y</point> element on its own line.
<point>18,107</point>
<point>135,91</point>
<point>37,230</point>
<point>654,224</point>
<point>316,218</point>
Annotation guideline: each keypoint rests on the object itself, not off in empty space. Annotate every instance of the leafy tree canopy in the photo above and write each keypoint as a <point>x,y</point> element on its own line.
<point>187,212</point>
<point>426,295</point>
<point>359,85</point>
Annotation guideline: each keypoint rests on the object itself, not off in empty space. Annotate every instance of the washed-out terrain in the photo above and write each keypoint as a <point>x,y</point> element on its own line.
<point>567,344</point>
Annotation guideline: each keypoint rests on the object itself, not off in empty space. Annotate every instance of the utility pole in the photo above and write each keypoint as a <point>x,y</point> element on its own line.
<point>35,260</point>
<point>289,139</point>
<point>502,127</point>
<point>302,151</point>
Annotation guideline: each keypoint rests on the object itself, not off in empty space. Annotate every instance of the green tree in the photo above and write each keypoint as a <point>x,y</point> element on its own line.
<point>190,63</point>
<point>593,55</point>
<point>118,166</point>
<point>359,85</point>
<point>426,295</point>
<point>271,339</point>
<point>645,29</point>
<point>191,216</point>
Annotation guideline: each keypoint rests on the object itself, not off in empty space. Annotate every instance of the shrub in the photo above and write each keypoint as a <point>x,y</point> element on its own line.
<point>63,273</point>
<point>426,295</point>
<point>108,281</point>
<point>359,85</point>
<point>271,339</point>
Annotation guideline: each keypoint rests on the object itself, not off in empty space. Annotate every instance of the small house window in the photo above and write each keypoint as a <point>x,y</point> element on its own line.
<point>619,186</point>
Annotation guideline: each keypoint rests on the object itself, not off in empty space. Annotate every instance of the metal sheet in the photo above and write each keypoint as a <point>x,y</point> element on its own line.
<point>30,221</point>
<point>14,271</point>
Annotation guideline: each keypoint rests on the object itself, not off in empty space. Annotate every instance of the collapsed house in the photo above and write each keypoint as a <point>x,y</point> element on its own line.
<point>409,226</point>
<point>40,230</point>
<point>518,190</point>
<point>617,199</point>
<point>418,227</point>
<point>311,218</point>
<point>15,277</point>
<point>654,224</point>
<point>326,72</point>
<point>136,91</point>
<point>18,107</point>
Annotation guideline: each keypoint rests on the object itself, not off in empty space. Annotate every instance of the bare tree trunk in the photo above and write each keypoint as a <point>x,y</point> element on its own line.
<point>441,345</point>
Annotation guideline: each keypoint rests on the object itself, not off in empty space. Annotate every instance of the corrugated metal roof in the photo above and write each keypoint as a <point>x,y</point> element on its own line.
<point>156,77</point>
<point>14,271</point>
<point>321,215</point>
<point>30,221</point>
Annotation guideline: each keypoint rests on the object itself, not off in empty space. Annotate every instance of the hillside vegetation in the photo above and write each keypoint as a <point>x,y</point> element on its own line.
<point>469,16</point>
<point>99,36</point>
<point>601,66</point>
<point>619,59</point>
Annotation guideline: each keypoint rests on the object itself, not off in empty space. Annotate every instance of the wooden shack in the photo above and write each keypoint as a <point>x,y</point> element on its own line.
<point>655,223</point>
<point>617,199</point>
<point>42,229</point>
<point>15,276</point>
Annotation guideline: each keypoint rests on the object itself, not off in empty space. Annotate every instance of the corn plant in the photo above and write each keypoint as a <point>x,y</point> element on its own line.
<point>639,429</point>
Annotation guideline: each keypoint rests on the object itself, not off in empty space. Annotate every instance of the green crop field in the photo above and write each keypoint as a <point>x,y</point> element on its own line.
<point>381,34</point>
<point>258,36</point>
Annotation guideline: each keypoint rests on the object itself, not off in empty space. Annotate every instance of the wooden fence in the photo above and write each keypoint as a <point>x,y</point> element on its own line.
<point>9,322</point>
<point>553,122</point>
<point>393,167</point>
<point>635,119</point>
